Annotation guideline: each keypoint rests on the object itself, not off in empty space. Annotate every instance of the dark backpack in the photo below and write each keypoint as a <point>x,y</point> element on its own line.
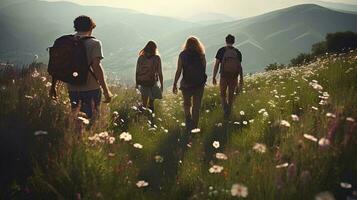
<point>230,63</point>
<point>146,72</point>
<point>68,60</point>
<point>194,71</point>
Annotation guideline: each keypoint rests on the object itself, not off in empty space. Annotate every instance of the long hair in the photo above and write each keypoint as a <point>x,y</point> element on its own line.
<point>193,44</point>
<point>149,50</point>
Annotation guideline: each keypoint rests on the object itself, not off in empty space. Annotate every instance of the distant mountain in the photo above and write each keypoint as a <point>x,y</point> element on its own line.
<point>273,37</point>
<point>339,6</point>
<point>207,18</point>
<point>30,26</point>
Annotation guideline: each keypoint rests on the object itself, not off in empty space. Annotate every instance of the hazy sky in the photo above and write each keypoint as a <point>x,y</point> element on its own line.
<point>187,8</point>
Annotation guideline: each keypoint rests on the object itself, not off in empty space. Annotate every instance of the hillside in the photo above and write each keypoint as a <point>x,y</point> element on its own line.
<point>273,37</point>
<point>292,136</point>
<point>121,30</point>
<point>339,6</point>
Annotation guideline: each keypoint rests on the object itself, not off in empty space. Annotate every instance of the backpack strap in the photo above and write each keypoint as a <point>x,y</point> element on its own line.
<point>83,39</point>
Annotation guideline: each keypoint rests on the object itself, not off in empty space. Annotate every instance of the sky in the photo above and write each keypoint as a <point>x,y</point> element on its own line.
<point>188,8</point>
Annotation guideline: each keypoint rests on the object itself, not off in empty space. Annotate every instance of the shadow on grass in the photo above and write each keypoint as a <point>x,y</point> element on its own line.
<point>161,176</point>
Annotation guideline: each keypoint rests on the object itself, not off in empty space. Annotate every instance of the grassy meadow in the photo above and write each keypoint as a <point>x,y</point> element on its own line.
<point>292,135</point>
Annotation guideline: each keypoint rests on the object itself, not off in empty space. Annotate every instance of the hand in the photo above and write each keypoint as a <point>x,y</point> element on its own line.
<point>53,93</point>
<point>214,81</point>
<point>108,97</point>
<point>174,89</point>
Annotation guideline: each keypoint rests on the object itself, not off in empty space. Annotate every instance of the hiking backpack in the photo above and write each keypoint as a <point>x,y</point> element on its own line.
<point>194,72</point>
<point>68,60</point>
<point>146,72</point>
<point>230,63</point>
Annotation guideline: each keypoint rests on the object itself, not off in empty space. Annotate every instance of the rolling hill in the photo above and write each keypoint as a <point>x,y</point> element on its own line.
<point>272,37</point>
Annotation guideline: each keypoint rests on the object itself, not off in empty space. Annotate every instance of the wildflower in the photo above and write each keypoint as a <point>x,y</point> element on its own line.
<point>125,136</point>
<point>40,132</point>
<point>215,169</point>
<point>142,183</point>
<point>284,123</point>
<point>215,144</point>
<point>75,74</point>
<point>241,112</point>
<point>282,165</point>
<point>183,124</point>
<point>330,115</point>
<point>260,148</point>
<point>245,122</point>
<point>84,120</point>
<point>159,159</point>
<point>345,185</point>
<point>314,108</point>
<point>265,114</point>
<point>138,146</point>
<point>134,108</point>
<point>111,154</point>
<point>48,84</point>
<point>115,113</point>
<point>323,142</point>
<point>236,123</point>
<point>219,124</point>
<point>221,156</point>
<point>323,102</point>
<point>261,110</point>
<point>35,74</point>
<point>104,134</point>
<point>196,130</point>
<point>324,196</point>
<point>350,119</point>
<point>295,118</point>
<point>28,97</point>
<point>111,140</point>
<point>310,137</point>
<point>239,190</point>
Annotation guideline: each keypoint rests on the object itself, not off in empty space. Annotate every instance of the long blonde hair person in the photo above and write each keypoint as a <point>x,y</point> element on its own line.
<point>193,44</point>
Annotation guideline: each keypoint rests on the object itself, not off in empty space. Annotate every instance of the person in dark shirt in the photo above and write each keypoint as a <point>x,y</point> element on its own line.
<point>228,60</point>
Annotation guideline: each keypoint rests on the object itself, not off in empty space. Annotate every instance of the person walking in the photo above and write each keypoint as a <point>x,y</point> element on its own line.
<point>76,60</point>
<point>192,66</point>
<point>229,60</point>
<point>148,72</point>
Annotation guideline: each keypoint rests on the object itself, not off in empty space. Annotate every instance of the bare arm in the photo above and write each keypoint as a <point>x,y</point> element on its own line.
<point>215,70</point>
<point>177,75</point>
<point>99,74</point>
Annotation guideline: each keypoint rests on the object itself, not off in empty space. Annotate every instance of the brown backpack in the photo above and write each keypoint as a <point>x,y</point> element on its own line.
<point>68,60</point>
<point>146,71</point>
<point>230,63</point>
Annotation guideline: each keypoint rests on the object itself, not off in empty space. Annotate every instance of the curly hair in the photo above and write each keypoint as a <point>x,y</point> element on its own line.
<point>194,44</point>
<point>83,24</point>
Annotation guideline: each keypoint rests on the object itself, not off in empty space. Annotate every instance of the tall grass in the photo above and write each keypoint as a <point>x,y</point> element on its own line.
<point>174,163</point>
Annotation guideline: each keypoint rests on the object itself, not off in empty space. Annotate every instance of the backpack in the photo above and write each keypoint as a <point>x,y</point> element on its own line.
<point>146,72</point>
<point>230,63</point>
<point>194,72</point>
<point>68,60</point>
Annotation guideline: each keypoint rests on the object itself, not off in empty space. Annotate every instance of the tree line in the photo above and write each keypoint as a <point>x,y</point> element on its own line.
<point>339,42</point>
